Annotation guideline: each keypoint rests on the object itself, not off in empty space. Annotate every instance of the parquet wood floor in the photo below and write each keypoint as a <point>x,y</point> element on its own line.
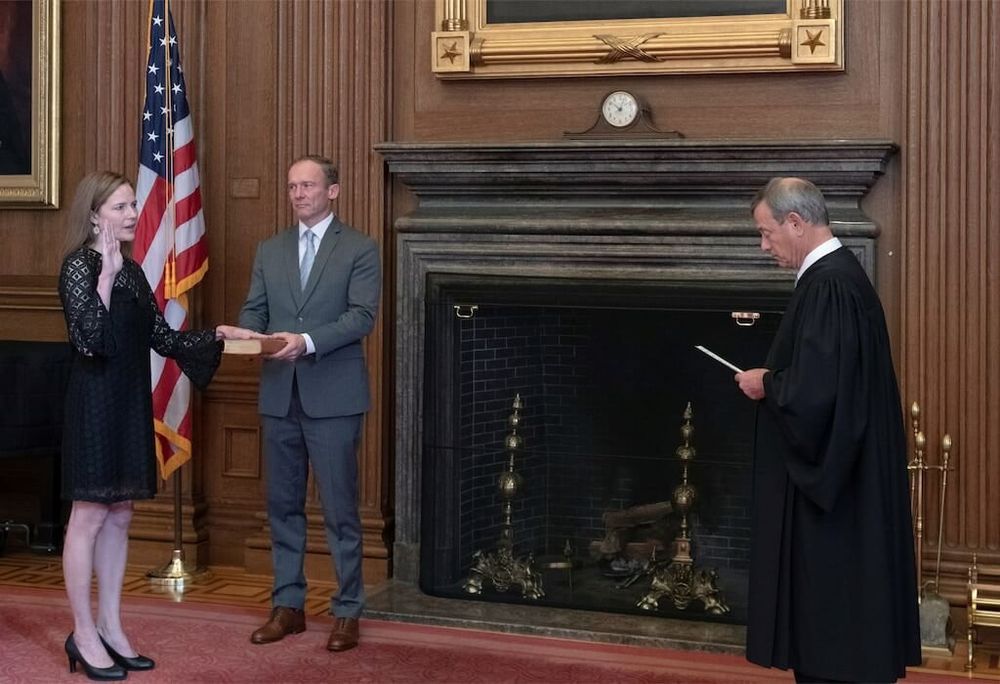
<point>223,586</point>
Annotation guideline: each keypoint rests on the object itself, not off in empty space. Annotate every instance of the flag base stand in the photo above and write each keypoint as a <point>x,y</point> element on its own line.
<point>176,573</point>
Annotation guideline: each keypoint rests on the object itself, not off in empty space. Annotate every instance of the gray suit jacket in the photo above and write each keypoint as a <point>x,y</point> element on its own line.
<point>337,309</point>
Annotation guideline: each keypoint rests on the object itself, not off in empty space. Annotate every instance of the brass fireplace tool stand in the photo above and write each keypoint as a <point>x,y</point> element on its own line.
<point>936,637</point>
<point>500,567</point>
<point>678,579</point>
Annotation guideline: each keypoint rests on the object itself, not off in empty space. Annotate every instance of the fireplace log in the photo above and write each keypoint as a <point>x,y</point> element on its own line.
<point>617,522</point>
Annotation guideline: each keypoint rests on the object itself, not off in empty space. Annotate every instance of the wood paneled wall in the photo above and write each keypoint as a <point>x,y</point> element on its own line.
<point>270,80</point>
<point>950,327</point>
<point>267,82</point>
<point>923,74</point>
<point>297,78</point>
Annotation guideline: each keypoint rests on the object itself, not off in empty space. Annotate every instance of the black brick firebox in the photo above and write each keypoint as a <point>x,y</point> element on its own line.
<point>605,371</point>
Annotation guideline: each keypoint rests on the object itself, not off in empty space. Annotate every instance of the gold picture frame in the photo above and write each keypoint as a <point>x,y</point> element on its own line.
<point>808,36</point>
<point>29,104</point>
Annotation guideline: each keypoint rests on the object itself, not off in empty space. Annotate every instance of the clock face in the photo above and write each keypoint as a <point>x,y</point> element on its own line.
<point>620,109</point>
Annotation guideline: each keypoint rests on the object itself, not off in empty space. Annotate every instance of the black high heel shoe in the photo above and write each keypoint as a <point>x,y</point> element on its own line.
<point>139,662</point>
<point>100,674</point>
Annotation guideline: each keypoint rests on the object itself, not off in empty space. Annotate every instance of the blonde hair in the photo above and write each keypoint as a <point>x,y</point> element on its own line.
<point>91,194</point>
<point>328,167</point>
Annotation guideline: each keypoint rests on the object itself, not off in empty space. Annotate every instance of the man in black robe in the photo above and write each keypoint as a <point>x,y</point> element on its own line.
<point>832,577</point>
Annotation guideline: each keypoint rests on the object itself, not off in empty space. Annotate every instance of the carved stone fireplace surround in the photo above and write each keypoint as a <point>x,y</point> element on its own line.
<point>660,214</point>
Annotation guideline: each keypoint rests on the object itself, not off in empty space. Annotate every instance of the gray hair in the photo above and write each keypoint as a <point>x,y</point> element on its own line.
<point>785,195</point>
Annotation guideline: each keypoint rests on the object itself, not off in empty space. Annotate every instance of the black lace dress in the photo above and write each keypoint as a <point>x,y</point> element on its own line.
<point>108,453</point>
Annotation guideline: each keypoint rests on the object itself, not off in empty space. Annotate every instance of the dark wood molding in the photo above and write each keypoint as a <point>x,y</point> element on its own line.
<point>30,309</point>
<point>950,308</point>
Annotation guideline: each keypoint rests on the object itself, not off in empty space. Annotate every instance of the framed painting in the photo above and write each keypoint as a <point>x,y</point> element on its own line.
<point>537,38</point>
<point>29,103</point>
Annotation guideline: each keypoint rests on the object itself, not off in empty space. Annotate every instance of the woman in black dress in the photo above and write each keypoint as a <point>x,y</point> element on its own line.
<point>108,457</point>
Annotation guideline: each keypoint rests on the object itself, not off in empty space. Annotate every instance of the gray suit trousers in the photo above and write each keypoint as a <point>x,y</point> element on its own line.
<point>293,443</point>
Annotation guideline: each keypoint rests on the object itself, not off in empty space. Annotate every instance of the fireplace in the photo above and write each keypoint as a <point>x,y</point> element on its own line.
<point>578,277</point>
<point>604,372</point>
<point>35,378</point>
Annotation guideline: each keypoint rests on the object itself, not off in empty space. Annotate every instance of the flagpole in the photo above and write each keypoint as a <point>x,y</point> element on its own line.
<point>176,573</point>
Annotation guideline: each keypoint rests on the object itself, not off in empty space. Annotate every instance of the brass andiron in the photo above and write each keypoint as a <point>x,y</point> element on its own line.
<point>678,580</point>
<point>500,567</point>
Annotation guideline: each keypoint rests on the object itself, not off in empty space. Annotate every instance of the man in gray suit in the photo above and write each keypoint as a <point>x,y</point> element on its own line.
<point>315,285</point>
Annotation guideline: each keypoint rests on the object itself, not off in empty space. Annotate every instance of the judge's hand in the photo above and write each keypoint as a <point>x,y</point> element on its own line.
<point>751,382</point>
<point>110,249</point>
<point>295,346</point>
<point>232,332</point>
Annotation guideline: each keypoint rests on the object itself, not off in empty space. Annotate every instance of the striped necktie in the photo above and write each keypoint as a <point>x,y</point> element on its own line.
<point>308,258</point>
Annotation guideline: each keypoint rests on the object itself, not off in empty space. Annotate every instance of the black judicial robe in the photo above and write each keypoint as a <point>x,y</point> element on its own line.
<point>832,578</point>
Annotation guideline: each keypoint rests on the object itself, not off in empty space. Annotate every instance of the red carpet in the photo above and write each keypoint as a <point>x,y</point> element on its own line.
<point>199,643</point>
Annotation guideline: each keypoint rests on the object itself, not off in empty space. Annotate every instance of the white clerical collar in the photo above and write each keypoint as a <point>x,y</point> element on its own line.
<point>818,253</point>
<point>319,229</point>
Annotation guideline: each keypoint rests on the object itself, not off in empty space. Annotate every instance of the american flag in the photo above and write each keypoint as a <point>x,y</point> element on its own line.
<point>170,239</point>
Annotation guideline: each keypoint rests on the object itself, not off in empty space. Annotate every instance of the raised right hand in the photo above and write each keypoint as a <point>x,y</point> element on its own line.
<point>110,249</point>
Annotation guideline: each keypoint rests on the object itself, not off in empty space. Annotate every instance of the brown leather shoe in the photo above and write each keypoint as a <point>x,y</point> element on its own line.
<point>283,621</point>
<point>344,635</point>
